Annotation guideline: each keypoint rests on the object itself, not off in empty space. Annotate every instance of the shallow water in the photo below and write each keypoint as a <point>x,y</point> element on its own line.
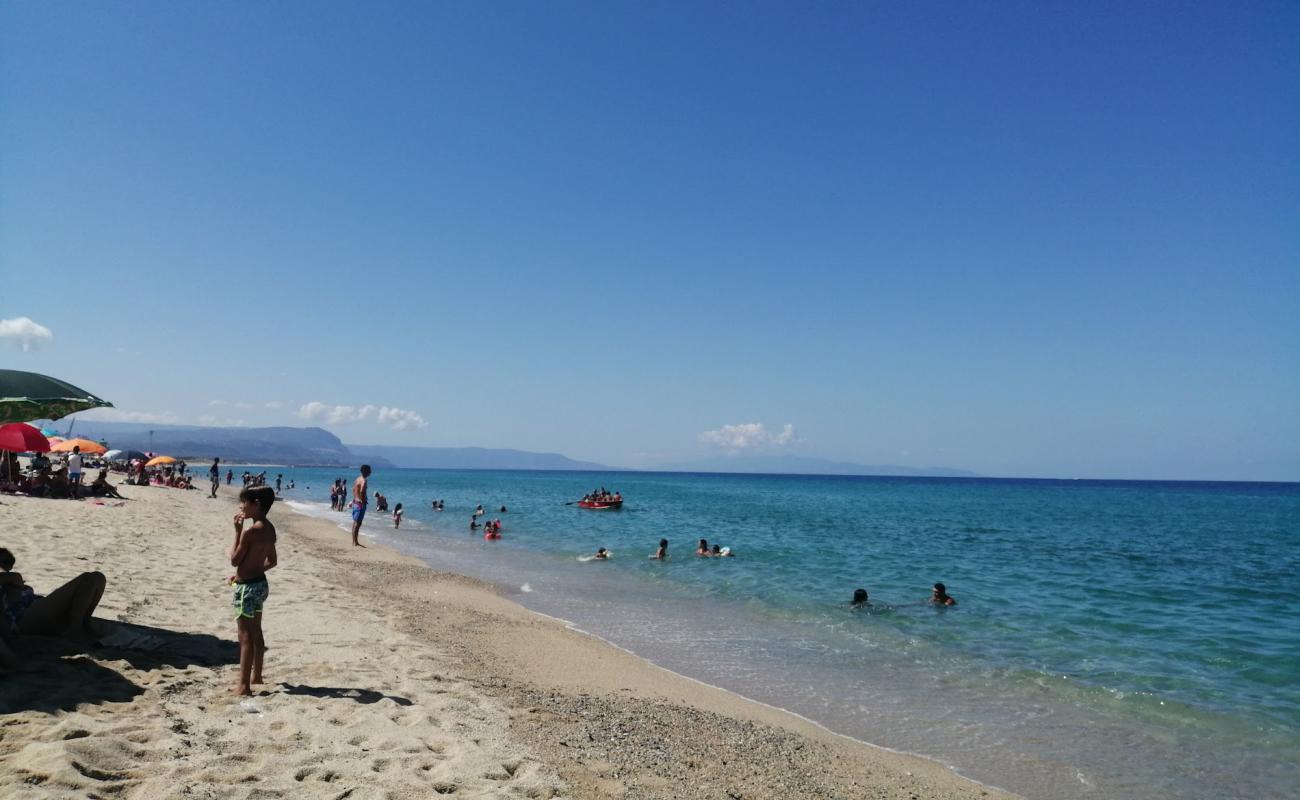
<point>1113,639</point>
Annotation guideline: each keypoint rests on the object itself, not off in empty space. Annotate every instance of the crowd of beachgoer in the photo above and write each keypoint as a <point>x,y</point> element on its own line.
<point>59,481</point>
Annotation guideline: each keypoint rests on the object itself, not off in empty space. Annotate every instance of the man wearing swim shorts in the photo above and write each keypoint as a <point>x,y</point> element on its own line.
<point>74,472</point>
<point>359,499</point>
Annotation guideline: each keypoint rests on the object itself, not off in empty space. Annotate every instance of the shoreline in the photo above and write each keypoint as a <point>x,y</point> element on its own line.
<point>784,716</point>
<point>557,711</point>
<point>668,686</point>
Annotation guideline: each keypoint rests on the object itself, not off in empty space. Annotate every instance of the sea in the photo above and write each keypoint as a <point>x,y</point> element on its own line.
<point>1112,639</point>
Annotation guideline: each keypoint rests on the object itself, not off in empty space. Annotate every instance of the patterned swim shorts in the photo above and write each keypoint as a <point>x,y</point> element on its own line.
<point>250,597</point>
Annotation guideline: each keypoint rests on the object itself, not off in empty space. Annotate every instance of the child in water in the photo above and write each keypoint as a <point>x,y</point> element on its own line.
<point>860,598</point>
<point>601,554</point>
<point>702,550</point>
<point>397,516</point>
<point>662,552</point>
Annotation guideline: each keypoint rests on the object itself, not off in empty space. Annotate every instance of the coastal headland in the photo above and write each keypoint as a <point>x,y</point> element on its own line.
<point>385,678</point>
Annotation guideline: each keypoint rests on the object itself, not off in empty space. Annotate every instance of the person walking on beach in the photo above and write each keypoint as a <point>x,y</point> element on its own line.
<point>360,499</point>
<point>214,474</point>
<point>252,555</point>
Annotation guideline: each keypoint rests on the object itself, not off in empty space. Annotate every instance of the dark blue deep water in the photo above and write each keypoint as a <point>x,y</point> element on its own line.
<point>1112,639</point>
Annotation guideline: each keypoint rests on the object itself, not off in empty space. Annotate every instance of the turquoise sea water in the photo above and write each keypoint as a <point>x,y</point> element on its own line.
<point>1113,639</point>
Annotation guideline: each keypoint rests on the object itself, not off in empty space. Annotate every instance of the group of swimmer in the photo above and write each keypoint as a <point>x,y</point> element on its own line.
<point>938,597</point>
<point>702,550</point>
<point>491,527</point>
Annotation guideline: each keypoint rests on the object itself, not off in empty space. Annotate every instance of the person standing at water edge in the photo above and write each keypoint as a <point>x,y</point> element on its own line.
<point>359,500</point>
<point>214,475</point>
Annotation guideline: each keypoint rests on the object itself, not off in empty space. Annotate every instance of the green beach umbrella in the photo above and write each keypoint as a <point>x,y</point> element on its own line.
<point>28,395</point>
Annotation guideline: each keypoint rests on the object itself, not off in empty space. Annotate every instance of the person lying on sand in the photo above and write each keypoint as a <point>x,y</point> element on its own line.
<point>65,612</point>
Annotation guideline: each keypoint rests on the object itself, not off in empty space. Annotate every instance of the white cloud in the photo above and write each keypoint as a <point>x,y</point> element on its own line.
<point>399,419</point>
<point>274,404</point>
<point>221,422</point>
<point>218,403</point>
<point>242,404</point>
<point>748,435</point>
<point>25,333</point>
<point>118,415</point>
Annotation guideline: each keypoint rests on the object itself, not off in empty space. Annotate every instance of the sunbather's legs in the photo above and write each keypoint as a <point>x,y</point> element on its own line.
<point>67,610</point>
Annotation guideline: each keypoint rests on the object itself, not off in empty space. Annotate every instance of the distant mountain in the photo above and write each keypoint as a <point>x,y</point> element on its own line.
<point>300,446</point>
<point>468,458</point>
<point>802,465</point>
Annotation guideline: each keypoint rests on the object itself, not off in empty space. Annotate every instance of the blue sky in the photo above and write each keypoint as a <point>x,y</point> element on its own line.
<point>1018,238</point>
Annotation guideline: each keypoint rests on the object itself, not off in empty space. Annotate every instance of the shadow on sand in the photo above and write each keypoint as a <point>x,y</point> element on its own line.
<point>145,647</point>
<point>363,696</point>
<point>60,675</point>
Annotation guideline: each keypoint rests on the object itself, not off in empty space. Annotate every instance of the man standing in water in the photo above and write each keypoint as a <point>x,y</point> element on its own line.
<point>359,500</point>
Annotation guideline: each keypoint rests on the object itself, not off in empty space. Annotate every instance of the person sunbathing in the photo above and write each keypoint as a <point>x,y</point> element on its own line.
<point>66,611</point>
<point>58,487</point>
<point>102,488</point>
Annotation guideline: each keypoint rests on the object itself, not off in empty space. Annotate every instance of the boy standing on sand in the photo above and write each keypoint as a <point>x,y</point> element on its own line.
<point>359,501</point>
<point>252,555</point>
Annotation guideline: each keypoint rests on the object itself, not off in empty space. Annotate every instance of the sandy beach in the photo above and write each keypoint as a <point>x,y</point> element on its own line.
<point>384,679</point>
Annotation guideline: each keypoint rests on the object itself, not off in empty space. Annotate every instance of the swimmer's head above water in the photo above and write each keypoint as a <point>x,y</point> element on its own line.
<point>859,597</point>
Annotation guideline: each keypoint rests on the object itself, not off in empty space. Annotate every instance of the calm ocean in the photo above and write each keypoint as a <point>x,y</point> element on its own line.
<point>1113,639</point>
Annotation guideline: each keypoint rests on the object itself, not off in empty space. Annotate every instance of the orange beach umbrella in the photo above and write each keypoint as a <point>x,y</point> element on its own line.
<point>88,447</point>
<point>153,462</point>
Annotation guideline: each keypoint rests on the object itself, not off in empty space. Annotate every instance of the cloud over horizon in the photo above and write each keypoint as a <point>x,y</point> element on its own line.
<point>398,419</point>
<point>118,415</point>
<point>748,435</point>
<point>25,332</point>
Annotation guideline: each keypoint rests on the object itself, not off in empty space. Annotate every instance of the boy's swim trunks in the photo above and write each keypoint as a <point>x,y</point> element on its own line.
<point>250,597</point>
<point>358,511</point>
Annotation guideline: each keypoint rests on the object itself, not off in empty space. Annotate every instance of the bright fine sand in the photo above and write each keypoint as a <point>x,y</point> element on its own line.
<point>384,679</point>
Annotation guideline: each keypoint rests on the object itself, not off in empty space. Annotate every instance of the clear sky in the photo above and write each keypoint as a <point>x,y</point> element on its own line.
<point>1021,238</point>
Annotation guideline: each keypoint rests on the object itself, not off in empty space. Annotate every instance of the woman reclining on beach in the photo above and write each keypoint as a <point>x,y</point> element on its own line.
<point>66,611</point>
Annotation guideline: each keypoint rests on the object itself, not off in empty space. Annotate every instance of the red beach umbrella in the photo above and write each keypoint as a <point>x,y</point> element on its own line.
<point>19,437</point>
